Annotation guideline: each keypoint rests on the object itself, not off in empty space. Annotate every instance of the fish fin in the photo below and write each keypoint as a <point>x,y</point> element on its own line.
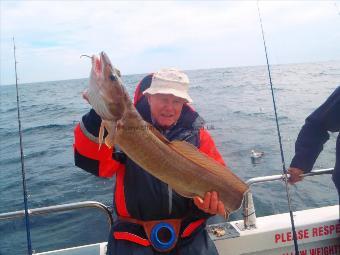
<point>85,95</point>
<point>110,127</point>
<point>108,142</point>
<point>158,134</point>
<point>101,135</point>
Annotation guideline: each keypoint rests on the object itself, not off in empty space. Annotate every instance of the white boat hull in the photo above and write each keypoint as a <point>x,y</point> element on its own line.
<point>318,233</point>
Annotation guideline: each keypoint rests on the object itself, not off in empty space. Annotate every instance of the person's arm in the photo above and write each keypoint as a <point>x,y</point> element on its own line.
<point>207,146</point>
<point>87,154</point>
<point>314,134</point>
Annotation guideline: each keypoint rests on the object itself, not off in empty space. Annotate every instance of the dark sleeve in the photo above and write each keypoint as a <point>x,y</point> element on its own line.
<point>100,161</point>
<point>314,133</point>
<point>91,122</point>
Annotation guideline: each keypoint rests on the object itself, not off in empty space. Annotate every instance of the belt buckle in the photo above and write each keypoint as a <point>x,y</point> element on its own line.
<point>163,234</point>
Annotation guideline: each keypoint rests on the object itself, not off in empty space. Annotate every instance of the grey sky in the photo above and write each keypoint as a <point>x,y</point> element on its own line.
<point>144,36</point>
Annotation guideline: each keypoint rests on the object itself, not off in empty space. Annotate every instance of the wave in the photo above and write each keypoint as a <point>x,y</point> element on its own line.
<point>13,109</point>
<point>250,114</point>
<point>52,108</point>
<point>9,133</point>
<point>45,109</point>
<point>55,127</point>
<point>16,159</point>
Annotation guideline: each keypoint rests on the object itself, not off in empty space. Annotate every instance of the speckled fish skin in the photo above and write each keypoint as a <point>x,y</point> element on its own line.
<point>177,163</point>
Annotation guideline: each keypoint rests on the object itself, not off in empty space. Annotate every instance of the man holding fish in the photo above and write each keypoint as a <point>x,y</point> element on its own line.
<point>165,188</point>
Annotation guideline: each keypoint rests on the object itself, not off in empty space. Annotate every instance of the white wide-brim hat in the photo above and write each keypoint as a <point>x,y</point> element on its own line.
<point>170,81</point>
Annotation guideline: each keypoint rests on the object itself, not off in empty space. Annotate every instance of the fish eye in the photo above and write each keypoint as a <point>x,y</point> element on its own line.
<point>113,78</point>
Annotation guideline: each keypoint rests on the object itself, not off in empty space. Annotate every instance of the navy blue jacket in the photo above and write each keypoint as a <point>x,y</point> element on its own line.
<point>314,134</point>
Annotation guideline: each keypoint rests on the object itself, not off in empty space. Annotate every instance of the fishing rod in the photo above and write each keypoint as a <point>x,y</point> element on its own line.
<point>27,220</point>
<point>280,141</point>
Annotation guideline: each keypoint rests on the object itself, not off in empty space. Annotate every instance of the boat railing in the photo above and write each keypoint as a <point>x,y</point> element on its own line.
<point>60,208</point>
<point>249,215</point>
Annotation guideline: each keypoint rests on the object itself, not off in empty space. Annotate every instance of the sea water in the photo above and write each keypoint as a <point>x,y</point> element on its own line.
<point>237,106</point>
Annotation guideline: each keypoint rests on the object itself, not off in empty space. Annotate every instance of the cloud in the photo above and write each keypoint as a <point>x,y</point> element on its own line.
<point>144,36</point>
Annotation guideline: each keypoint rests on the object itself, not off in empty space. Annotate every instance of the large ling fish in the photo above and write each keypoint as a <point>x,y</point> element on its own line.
<point>177,163</point>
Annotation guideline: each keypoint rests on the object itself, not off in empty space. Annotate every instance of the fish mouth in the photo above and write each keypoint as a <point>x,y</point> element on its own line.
<point>97,65</point>
<point>107,68</point>
<point>100,63</point>
<point>104,59</point>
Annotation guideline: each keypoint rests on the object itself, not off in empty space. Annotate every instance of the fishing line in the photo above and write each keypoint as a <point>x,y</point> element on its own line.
<point>84,55</point>
<point>27,220</point>
<point>280,140</point>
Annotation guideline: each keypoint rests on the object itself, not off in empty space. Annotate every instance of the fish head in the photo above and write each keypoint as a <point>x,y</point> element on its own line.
<point>103,73</point>
<point>106,93</point>
<point>107,69</point>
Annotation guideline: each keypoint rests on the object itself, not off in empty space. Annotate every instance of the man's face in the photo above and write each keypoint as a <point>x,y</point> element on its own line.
<point>165,108</point>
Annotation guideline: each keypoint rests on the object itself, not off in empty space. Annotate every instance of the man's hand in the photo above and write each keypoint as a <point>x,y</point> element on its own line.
<point>295,175</point>
<point>210,204</point>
